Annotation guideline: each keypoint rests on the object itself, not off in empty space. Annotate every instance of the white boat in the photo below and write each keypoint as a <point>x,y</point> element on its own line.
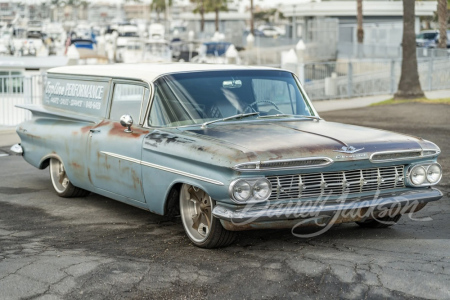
<point>56,38</point>
<point>6,46</point>
<point>28,42</point>
<point>157,51</point>
<point>141,50</point>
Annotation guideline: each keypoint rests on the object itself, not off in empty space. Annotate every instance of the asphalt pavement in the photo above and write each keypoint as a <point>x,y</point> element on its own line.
<point>97,248</point>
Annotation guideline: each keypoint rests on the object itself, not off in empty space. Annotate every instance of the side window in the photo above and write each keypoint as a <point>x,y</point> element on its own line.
<point>161,112</point>
<point>144,105</point>
<point>173,106</point>
<point>127,100</point>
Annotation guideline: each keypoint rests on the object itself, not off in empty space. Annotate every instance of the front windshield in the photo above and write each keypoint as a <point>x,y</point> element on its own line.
<point>199,97</point>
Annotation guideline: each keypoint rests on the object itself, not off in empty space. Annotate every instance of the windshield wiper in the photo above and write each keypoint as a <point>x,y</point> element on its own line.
<point>310,117</point>
<point>238,116</point>
<point>289,115</point>
<point>276,116</point>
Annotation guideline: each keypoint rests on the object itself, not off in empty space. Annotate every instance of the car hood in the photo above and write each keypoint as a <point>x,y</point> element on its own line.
<point>307,138</point>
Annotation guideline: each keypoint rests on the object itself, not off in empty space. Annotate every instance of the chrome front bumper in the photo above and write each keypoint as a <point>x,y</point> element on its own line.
<point>282,215</point>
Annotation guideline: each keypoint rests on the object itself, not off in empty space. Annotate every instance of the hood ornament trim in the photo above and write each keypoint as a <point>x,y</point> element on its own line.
<point>349,150</point>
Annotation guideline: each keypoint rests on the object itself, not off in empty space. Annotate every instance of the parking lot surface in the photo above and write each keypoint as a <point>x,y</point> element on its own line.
<point>97,248</point>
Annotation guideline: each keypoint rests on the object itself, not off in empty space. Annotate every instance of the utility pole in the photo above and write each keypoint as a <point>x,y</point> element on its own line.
<point>252,19</point>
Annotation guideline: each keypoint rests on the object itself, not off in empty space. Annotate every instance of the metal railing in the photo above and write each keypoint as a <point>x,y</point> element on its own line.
<point>379,51</point>
<point>347,79</point>
<point>17,90</point>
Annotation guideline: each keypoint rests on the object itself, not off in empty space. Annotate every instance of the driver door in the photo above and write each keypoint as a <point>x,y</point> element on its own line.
<point>115,154</point>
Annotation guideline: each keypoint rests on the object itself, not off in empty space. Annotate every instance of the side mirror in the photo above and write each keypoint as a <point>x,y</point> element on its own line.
<point>126,121</point>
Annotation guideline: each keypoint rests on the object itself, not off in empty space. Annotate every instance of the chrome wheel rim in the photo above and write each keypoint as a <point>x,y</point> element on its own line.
<point>196,212</point>
<point>58,174</point>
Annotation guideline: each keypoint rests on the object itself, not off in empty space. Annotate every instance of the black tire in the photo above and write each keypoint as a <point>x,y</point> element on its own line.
<point>380,223</point>
<point>61,183</point>
<point>214,236</point>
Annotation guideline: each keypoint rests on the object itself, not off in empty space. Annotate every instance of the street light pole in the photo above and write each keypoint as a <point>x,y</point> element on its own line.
<point>252,19</point>
<point>294,24</point>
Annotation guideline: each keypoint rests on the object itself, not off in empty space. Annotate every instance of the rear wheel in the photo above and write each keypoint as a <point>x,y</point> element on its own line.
<point>380,223</point>
<point>202,228</point>
<point>61,183</point>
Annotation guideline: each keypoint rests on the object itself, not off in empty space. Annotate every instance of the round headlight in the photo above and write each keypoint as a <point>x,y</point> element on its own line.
<point>261,189</point>
<point>242,190</point>
<point>418,175</point>
<point>434,173</point>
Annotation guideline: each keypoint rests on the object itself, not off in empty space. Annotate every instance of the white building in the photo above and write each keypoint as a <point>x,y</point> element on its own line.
<point>232,24</point>
<point>383,20</point>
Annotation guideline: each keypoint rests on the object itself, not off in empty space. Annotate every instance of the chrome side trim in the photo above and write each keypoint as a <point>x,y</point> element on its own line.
<point>393,152</point>
<point>147,164</point>
<point>137,161</point>
<point>216,182</point>
<point>258,164</point>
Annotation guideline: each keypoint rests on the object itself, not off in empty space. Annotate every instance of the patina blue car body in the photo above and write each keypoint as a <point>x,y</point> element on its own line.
<point>75,124</point>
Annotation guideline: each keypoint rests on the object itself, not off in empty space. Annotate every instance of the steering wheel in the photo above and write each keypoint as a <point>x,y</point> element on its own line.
<point>261,101</point>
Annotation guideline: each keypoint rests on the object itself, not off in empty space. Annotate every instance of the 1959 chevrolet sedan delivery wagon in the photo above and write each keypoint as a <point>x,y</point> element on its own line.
<point>228,148</point>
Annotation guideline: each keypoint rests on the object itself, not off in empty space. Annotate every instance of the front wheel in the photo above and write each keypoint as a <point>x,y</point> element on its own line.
<point>202,228</point>
<point>61,183</point>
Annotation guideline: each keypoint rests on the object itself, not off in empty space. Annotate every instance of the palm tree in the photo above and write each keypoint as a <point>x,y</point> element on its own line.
<point>216,6</point>
<point>359,19</point>
<point>442,16</point>
<point>160,6</point>
<point>409,85</point>
<point>200,9</point>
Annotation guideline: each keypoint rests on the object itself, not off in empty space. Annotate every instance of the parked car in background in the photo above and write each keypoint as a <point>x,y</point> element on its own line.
<point>256,32</point>
<point>227,148</point>
<point>430,39</point>
<point>271,31</point>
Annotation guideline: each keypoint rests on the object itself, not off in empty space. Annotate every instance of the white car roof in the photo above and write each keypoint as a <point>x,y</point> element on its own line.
<point>147,72</point>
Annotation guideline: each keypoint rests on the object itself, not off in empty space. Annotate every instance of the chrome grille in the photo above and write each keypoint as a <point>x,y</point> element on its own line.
<point>335,183</point>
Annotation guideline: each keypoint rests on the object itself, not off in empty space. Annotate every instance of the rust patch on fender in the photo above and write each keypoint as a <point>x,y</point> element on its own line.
<point>119,130</point>
<point>33,136</point>
<point>107,166</point>
<point>76,165</point>
<point>135,177</point>
<point>85,129</point>
<point>89,176</point>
